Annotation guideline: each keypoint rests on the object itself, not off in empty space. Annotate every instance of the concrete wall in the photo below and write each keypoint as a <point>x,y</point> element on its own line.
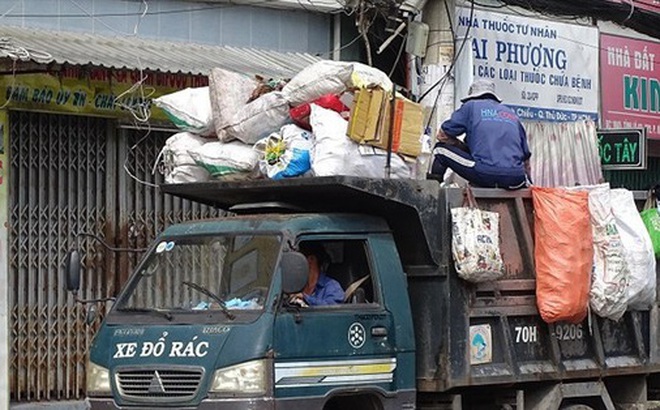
<point>196,22</point>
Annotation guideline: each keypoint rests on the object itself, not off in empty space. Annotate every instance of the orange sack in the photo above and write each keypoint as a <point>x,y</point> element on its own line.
<point>563,253</point>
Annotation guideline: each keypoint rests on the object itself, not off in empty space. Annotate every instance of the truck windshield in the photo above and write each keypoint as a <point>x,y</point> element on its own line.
<point>202,273</point>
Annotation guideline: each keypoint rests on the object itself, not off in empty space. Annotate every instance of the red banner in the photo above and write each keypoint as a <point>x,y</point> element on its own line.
<point>630,84</point>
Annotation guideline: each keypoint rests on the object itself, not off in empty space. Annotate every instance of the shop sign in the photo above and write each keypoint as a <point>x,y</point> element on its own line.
<point>543,69</point>
<point>631,98</point>
<point>97,91</point>
<point>622,149</point>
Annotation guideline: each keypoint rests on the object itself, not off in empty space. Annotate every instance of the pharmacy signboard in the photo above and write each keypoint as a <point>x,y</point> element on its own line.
<point>544,70</point>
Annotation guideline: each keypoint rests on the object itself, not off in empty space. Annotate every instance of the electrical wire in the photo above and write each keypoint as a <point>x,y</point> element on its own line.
<point>137,25</point>
<point>451,23</point>
<point>398,57</point>
<point>350,43</point>
<point>16,54</point>
<point>443,80</point>
<point>132,149</point>
<point>95,18</point>
<point>490,6</point>
<point>10,9</point>
<point>451,66</point>
<point>641,20</point>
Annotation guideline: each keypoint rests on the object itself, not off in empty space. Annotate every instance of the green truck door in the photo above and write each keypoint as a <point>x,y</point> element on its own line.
<point>340,347</point>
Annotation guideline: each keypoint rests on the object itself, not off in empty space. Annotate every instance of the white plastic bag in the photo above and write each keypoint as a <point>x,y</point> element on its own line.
<point>638,250</point>
<point>336,154</point>
<point>177,165</point>
<point>259,118</point>
<point>475,242</point>
<point>371,162</point>
<point>331,145</point>
<point>316,80</point>
<point>229,93</point>
<point>285,154</point>
<point>189,109</point>
<point>608,295</point>
<point>221,159</point>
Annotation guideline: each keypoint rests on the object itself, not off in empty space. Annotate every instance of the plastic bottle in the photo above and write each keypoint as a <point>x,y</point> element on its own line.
<point>423,161</point>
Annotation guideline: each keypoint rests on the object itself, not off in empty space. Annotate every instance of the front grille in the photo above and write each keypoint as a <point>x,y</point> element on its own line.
<point>158,384</point>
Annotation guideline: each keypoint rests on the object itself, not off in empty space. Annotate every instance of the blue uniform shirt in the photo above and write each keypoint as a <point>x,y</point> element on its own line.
<point>494,134</point>
<point>327,292</point>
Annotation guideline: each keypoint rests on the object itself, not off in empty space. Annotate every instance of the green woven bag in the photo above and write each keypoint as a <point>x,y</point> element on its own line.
<point>651,219</point>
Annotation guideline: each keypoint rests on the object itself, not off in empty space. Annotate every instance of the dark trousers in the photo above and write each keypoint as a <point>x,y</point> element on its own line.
<point>461,162</point>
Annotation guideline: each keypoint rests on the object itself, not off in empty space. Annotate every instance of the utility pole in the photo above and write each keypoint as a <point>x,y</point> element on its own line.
<point>438,60</point>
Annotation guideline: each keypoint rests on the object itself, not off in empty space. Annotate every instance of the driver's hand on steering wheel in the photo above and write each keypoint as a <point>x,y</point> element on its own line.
<point>298,300</point>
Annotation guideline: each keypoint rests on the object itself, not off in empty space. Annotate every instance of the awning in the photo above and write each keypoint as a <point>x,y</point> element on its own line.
<point>27,45</point>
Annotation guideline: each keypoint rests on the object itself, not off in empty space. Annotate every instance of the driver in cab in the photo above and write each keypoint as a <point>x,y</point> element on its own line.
<point>320,290</point>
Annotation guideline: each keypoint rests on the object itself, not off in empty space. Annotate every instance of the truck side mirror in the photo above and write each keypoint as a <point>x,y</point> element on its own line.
<point>294,272</point>
<point>72,270</point>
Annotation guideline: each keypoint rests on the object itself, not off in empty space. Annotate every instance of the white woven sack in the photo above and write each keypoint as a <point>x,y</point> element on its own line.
<point>221,159</point>
<point>187,173</point>
<point>638,250</point>
<point>229,93</point>
<point>476,244</point>
<point>177,165</point>
<point>189,109</point>
<point>608,295</point>
<point>259,118</point>
<point>175,151</point>
<point>317,80</point>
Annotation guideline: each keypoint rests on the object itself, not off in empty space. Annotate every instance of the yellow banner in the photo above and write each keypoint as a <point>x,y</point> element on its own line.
<point>97,91</point>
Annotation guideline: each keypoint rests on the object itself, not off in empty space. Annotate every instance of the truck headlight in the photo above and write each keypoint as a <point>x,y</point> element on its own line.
<point>249,378</point>
<point>98,380</point>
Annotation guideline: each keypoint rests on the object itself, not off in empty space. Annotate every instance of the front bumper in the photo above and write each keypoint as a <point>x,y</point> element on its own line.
<point>209,404</point>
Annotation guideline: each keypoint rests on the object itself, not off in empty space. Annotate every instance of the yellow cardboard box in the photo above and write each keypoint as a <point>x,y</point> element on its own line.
<point>365,114</point>
<point>408,128</point>
<point>370,122</point>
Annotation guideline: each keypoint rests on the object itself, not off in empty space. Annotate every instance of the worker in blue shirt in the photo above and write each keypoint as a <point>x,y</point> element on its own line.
<point>495,153</point>
<point>320,289</point>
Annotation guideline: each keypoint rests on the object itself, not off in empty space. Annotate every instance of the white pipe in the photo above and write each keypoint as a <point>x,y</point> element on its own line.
<point>336,33</point>
<point>390,38</point>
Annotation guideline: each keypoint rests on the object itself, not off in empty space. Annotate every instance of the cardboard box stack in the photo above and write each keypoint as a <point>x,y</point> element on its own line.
<point>370,122</point>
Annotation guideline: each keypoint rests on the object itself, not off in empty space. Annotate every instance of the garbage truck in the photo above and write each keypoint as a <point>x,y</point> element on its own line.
<point>205,320</point>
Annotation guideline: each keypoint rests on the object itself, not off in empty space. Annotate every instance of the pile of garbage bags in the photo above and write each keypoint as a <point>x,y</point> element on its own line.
<point>332,118</point>
<point>592,250</point>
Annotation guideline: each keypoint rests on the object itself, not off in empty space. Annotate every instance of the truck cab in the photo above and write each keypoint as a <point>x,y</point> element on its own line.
<point>204,321</point>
